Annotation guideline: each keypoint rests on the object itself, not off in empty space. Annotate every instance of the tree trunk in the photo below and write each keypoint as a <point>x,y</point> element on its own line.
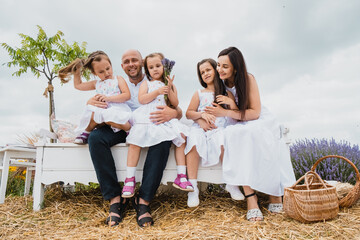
<point>51,105</point>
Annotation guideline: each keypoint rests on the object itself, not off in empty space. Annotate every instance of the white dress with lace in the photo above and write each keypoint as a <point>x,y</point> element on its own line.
<point>144,133</point>
<point>115,112</point>
<point>256,155</point>
<point>208,144</point>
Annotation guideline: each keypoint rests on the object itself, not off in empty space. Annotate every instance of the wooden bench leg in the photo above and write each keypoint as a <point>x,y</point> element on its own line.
<point>38,189</point>
<point>38,195</point>
<point>27,181</point>
<point>4,177</point>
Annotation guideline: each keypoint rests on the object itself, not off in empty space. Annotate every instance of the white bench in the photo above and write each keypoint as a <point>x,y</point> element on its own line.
<point>70,163</point>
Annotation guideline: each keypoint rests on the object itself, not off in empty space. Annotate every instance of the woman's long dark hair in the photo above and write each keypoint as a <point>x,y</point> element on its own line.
<point>241,80</point>
<point>219,87</point>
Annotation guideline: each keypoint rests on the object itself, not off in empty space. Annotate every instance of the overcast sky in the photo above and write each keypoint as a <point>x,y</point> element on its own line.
<point>305,55</point>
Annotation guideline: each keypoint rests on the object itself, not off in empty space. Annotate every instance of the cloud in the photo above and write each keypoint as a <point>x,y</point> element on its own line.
<point>304,55</point>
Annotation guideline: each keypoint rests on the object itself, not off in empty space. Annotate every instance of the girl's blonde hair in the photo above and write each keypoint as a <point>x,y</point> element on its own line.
<point>66,72</point>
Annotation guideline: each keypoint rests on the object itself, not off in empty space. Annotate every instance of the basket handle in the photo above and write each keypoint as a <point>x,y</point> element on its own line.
<point>306,176</point>
<point>336,156</point>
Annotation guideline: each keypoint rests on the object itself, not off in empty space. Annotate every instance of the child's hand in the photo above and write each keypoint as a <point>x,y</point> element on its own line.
<point>210,119</point>
<point>77,68</point>
<point>204,125</point>
<point>163,90</point>
<point>221,99</point>
<point>103,98</point>
<point>170,80</point>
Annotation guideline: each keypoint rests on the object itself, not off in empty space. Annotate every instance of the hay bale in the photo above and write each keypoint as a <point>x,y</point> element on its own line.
<point>81,215</point>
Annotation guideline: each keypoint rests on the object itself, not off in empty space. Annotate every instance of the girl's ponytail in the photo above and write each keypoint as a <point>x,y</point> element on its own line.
<point>66,72</point>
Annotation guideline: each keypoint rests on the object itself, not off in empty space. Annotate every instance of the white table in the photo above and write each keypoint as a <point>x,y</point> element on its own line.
<point>17,156</point>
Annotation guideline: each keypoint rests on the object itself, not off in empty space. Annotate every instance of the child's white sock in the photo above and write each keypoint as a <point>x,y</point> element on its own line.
<point>130,172</point>
<point>235,192</point>
<point>193,197</point>
<point>86,131</point>
<point>181,169</point>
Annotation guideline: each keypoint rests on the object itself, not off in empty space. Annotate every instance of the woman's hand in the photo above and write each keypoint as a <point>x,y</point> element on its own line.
<point>221,99</point>
<point>96,102</point>
<point>209,118</point>
<point>216,110</point>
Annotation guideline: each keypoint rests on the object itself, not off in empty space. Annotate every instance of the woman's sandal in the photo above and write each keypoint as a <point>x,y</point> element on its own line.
<point>118,208</point>
<point>140,210</point>
<point>255,212</point>
<point>275,207</point>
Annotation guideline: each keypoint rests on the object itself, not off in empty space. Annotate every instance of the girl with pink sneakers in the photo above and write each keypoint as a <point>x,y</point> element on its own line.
<point>154,92</point>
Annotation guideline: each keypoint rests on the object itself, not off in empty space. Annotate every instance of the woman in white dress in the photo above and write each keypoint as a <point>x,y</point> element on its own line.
<point>256,157</point>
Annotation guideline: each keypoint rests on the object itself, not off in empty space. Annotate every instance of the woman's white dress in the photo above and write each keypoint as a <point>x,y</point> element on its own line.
<point>115,112</point>
<point>144,133</point>
<point>256,155</point>
<point>208,144</point>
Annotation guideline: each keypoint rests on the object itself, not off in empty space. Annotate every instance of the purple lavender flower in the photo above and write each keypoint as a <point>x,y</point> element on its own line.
<point>304,153</point>
<point>168,65</point>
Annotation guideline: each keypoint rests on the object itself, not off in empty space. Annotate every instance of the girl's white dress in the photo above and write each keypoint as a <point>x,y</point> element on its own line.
<point>208,144</point>
<point>144,133</point>
<point>115,112</point>
<point>256,155</point>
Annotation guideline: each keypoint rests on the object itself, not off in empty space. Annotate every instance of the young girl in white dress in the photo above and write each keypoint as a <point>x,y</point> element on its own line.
<point>255,156</point>
<point>110,89</point>
<point>144,133</point>
<point>206,144</point>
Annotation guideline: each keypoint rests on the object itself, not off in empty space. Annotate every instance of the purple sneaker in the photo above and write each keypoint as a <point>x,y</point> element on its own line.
<point>82,138</point>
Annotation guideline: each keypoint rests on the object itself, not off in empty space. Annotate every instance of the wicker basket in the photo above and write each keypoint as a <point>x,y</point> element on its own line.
<point>352,197</point>
<point>313,201</point>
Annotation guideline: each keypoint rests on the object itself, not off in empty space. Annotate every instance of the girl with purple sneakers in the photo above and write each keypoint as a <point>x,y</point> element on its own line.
<point>110,89</point>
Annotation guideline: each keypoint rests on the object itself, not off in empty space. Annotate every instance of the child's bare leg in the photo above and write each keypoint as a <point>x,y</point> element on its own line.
<point>192,162</point>
<point>222,153</point>
<point>180,155</point>
<point>133,155</point>
<point>132,161</point>
<point>92,124</point>
<point>126,126</point>
<point>83,137</point>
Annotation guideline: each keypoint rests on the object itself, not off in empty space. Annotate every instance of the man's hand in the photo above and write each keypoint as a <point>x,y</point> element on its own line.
<point>164,114</point>
<point>95,101</point>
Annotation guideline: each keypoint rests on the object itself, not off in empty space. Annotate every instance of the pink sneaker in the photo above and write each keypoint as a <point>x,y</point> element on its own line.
<point>185,186</point>
<point>128,191</point>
